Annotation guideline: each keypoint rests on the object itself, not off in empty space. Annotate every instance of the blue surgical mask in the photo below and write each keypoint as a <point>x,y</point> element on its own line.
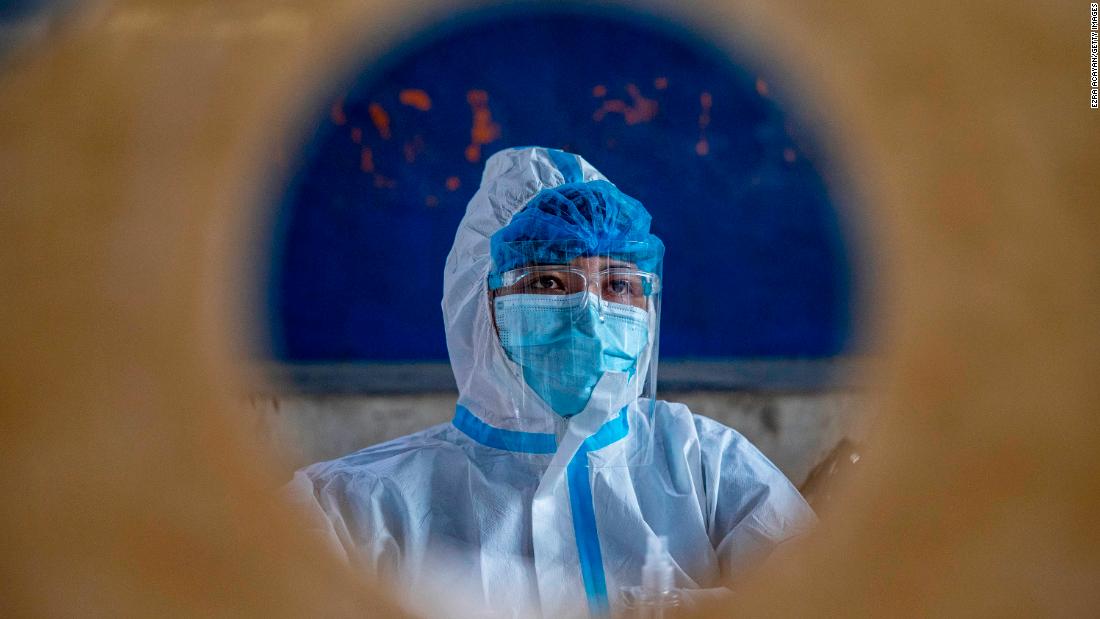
<point>565,350</point>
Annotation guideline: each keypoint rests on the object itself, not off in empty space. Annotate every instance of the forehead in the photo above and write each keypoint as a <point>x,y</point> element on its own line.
<point>599,262</point>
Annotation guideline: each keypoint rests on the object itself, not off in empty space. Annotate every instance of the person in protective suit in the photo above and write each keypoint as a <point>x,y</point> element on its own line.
<point>560,467</point>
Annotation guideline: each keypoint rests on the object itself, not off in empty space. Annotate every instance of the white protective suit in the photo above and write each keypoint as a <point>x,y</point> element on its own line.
<point>518,510</point>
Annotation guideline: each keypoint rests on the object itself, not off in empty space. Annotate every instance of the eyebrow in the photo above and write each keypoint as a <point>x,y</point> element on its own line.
<point>611,264</point>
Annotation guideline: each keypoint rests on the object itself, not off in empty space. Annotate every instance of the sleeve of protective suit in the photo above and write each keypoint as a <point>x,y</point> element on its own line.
<point>352,515</point>
<point>299,493</point>
<point>751,505</point>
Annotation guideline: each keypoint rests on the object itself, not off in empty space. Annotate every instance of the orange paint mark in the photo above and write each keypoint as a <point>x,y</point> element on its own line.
<point>615,106</point>
<point>453,183</point>
<point>660,83</point>
<point>414,97</point>
<point>599,91</point>
<point>413,148</point>
<point>640,110</point>
<point>702,147</point>
<point>366,163</point>
<point>477,97</point>
<point>381,120</point>
<point>482,130</point>
<point>705,102</point>
<point>761,87</point>
<point>337,112</point>
<point>357,135</point>
<point>789,155</point>
<point>431,201</point>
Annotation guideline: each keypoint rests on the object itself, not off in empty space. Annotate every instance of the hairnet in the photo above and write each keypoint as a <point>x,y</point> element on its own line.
<point>568,221</point>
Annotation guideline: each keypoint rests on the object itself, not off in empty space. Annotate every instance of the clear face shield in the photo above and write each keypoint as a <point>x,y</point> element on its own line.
<point>581,328</point>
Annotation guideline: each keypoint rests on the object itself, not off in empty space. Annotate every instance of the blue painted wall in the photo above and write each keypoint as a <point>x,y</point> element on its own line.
<point>755,263</point>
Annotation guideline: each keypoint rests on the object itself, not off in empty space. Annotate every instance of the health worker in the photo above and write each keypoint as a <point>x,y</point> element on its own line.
<point>560,468</point>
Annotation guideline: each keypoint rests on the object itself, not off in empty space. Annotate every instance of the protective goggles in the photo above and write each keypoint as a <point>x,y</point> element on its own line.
<point>622,285</point>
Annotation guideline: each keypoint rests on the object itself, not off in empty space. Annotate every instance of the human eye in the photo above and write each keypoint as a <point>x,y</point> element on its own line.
<point>544,283</point>
<point>619,286</point>
<point>622,284</point>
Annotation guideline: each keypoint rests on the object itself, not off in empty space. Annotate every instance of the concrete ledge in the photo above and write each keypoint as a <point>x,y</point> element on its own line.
<point>795,430</point>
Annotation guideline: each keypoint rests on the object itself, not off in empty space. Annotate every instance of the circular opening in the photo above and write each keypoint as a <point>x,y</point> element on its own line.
<point>758,282</point>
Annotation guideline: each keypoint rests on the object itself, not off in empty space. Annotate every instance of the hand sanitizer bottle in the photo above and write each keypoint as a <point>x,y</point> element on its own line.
<point>657,593</point>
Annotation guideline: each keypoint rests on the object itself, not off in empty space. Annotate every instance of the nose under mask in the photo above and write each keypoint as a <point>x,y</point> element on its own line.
<point>564,351</point>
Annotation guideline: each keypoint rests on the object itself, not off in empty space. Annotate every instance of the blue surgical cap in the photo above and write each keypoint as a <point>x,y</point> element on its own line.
<point>572,220</point>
